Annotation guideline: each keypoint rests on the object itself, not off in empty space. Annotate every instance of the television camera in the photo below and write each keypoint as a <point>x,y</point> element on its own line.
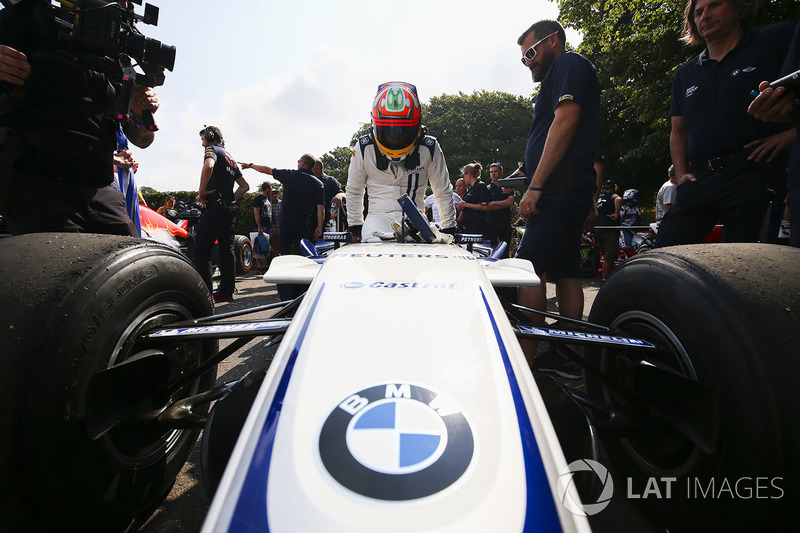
<point>103,36</point>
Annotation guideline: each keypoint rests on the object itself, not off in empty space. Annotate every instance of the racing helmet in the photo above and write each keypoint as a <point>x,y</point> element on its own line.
<point>631,195</point>
<point>396,119</point>
<point>608,184</point>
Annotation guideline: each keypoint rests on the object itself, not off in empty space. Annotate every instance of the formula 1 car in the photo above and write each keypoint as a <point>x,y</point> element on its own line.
<point>399,398</point>
<point>175,233</point>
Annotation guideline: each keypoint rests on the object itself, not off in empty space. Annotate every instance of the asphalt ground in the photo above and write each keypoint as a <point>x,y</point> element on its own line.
<point>185,507</point>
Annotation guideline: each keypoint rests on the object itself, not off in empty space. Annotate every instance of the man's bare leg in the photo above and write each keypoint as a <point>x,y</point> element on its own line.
<point>534,298</point>
<point>569,294</point>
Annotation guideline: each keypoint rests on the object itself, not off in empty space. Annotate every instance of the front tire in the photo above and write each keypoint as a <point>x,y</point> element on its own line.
<point>75,304</point>
<point>726,316</point>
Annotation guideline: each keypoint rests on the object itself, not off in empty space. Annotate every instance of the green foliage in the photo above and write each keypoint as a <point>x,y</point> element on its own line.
<point>636,48</point>
<point>486,127</point>
<point>337,162</point>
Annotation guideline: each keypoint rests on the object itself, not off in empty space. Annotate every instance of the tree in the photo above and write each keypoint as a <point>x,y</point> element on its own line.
<point>487,127</point>
<point>484,126</point>
<point>636,48</point>
<point>337,162</point>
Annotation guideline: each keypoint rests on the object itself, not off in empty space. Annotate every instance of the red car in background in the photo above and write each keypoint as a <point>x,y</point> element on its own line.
<point>178,236</point>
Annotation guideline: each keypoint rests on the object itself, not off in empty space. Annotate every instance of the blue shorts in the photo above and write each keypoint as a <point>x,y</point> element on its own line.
<point>552,239</point>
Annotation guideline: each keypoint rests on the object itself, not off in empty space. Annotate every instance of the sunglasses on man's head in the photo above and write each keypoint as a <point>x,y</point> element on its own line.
<point>530,53</point>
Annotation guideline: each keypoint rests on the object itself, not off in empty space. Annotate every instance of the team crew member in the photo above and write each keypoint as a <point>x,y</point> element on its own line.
<point>559,166</point>
<point>782,105</point>
<point>219,173</point>
<point>498,216</point>
<point>475,203</point>
<point>727,163</point>
<point>396,158</point>
<point>333,196</point>
<point>302,209</point>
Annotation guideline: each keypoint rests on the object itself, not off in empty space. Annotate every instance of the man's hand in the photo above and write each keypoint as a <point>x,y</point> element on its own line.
<point>124,159</point>
<point>684,178</point>
<point>14,66</point>
<point>527,206</point>
<point>201,196</point>
<point>772,105</point>
<point>143,99</point>
<point>771,147</point>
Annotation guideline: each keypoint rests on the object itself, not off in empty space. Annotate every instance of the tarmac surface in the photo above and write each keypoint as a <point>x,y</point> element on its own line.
<point>185,507</point>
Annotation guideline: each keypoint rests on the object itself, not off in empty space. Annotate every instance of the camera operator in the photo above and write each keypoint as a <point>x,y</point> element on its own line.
<point>58,131</point>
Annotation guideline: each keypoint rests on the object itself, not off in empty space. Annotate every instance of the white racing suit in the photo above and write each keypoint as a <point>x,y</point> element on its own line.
<point>386,186</point>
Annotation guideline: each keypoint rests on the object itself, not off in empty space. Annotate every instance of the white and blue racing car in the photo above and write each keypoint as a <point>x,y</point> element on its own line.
<point>399,398</point>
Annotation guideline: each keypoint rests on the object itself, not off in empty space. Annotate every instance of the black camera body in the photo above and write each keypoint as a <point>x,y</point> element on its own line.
<point>109,31</point>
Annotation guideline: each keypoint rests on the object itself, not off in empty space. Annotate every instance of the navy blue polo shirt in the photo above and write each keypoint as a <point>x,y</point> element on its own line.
<point>713,96</point>
<point>570,77</point>
<point>500,216</point>
<point>302,193</point>
<point>477,194</point>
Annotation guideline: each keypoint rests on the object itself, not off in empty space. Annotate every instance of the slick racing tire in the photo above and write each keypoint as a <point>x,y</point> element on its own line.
<point>244,254</point>
<point>726,317</point>
<point>73,305</point>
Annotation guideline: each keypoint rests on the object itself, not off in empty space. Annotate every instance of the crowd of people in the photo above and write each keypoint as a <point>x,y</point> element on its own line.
<point>729,157</point>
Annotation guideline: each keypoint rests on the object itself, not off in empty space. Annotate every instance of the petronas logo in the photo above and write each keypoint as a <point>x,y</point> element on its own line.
<point>395,100</point>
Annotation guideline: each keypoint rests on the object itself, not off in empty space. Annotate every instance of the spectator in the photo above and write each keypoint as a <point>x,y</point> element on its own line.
<point>262,215</point>
<point>629,215</point>
<point>461,191</point>
<point>217,178</point>
<point>60,135</point>
<point>461,187</point>
<point>559,166</point>
<point>781,105</point>
<point>498,216</point>
<point>168,209</point>
<point>395,158</point>
<point>666,195</point>
<point>275,200</point>
<point>430,204</point>
<point>608,207</point>
<point>302,210</point>
<point>333,196</point>
<point>728,164</point>
<point>475,203</point>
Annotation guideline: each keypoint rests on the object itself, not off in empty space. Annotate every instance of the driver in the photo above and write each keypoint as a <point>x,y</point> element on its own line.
<point>396,158</point>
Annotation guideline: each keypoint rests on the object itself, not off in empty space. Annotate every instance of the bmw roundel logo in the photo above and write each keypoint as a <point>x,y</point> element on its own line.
<point>396,441</point>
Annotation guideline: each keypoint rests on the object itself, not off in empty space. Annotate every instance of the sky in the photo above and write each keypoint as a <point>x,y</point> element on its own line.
<point>282,78</point>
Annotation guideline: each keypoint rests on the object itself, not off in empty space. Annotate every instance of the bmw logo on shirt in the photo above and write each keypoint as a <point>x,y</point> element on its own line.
<point>396,441</point>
